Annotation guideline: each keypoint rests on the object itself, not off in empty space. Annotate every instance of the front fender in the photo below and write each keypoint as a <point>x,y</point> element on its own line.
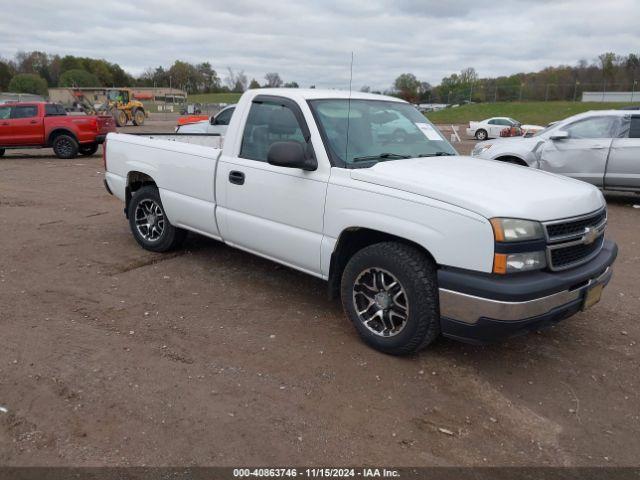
<point>453,236</point>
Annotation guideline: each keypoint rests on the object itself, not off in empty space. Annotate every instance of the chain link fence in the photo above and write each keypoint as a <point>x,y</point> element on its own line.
<point>537,92</point>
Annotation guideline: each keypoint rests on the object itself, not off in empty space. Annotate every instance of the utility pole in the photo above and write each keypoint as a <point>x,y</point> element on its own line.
<point>546,93</point>
<point>495,94</point>
<point>633,89</point>
<point>521,87</point>
<point>471,92</point>
<point>575,90</point>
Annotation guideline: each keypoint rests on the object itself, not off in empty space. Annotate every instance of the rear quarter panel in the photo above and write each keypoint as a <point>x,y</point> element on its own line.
<point>184,174</point>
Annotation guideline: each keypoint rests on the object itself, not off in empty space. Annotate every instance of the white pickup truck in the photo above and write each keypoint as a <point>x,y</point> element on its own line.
<point>416,240</point>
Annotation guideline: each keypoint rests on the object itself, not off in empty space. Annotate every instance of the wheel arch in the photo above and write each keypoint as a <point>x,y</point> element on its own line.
<point>354,239</point>
<point>135,181</point>
<point>513,159</point>
<point>57,132</point>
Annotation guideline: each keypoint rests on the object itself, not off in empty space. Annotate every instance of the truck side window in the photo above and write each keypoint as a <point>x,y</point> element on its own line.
<point>24,111</point>
<point>268,123</point>
<point>5,112</point>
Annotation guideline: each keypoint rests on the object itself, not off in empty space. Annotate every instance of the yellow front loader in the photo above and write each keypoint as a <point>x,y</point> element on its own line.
<point>124,108</point>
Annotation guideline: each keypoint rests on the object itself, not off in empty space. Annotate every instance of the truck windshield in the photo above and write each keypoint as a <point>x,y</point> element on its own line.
<point>376,131</point>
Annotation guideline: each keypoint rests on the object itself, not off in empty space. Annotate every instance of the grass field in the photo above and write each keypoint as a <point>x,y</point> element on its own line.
<point>537,113</point>
<point>213,98</point>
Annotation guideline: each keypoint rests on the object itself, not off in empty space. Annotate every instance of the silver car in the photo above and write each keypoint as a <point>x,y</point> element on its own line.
<point>601,147</point>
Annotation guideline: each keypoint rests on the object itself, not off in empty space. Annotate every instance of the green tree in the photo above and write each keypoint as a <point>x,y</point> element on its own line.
<point>254,83</point>
<point>28,83</point>
<point>78,78</point>
<point>291,85</point>
<point>69,62</point>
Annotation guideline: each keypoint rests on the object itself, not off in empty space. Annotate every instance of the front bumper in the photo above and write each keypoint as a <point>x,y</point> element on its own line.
<point>101,138</point>
<point>481,308</point>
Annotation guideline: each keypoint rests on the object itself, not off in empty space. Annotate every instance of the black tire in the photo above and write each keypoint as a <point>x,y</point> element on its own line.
<point>170,237</point>
<point>138,116</point>
<point>65,146</point>
<point>415,273</point>
<point>120,117</point>
<point>1,151</point>
<point>88,149</point>
<point>481,134</point>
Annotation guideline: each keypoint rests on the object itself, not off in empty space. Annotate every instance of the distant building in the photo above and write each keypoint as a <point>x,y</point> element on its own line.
<point>19,97</point>
<point>611,96</point>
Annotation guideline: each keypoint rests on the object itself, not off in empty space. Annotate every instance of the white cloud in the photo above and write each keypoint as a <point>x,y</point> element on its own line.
<point>311,42</point>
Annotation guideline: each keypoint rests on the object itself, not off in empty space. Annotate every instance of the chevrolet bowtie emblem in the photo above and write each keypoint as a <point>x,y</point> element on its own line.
<point>590,235</point>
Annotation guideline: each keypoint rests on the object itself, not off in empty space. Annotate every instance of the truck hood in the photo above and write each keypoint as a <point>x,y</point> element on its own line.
<point>489,188</point>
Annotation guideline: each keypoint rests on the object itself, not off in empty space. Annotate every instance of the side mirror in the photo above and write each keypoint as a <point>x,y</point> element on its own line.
<point>290,155</point>
<point>212,120</point>
<point>559,135</point>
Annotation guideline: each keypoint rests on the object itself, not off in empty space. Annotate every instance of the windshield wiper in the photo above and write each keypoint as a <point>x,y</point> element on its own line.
<point>382,156</point>
<point>437,154</point>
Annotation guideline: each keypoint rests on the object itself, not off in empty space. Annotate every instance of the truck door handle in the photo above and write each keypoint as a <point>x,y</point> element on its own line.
<point>33,121</point>
<point>236,177</point>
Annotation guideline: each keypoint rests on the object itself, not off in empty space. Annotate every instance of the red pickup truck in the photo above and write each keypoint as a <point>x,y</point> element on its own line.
<point>43,125</point>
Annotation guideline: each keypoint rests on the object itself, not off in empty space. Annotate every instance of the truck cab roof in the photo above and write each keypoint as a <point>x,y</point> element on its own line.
<point>316,94</point>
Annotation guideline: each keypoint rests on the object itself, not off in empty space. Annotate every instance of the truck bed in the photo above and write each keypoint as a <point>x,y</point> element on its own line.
<point>182,166</point>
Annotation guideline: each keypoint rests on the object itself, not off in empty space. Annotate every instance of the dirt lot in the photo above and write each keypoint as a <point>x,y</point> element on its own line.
<point>211,356</point>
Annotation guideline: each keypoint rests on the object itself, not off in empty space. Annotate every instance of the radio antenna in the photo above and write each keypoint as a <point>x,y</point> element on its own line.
<point>346,147</point>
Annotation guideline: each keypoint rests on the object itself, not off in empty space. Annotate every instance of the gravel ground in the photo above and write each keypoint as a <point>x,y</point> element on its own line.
<point>211,356</point>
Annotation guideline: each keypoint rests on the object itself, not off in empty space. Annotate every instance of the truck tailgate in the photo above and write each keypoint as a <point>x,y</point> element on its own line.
<point>106,124</point>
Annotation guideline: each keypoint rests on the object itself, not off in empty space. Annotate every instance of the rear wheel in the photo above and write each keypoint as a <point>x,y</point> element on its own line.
<point>65,146</point>
<point>88,149</point>
<point>138,117</point>
<point>120,117</point>
<point>149,223</point>
<point>389,291</point>
<point>1,152</point>
<point>481,134</point>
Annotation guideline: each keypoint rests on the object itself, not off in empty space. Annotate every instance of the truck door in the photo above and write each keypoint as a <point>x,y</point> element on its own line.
<point>623,167</point>
<point>25,125</point>
<point>5,113</point>
<point>270,210</point>
<point>583,154</point>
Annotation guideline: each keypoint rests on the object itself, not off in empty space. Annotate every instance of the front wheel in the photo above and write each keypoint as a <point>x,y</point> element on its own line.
<point>88,150</point>
<point>120,117</point>
<point>149,223</point>
<point>389,291</point>
<point>2,151</point>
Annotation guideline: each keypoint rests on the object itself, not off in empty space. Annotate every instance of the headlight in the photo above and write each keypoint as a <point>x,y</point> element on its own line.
<point>479,149</point>
<point>518,262</point>
<point>516,230</point>
<point>510,233</point>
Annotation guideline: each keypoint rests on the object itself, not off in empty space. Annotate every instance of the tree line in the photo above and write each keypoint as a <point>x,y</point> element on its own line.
<point>608,72</point>
<point>35,72</point>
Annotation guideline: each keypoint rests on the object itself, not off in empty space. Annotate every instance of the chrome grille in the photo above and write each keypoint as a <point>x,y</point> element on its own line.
<point>574,241</point>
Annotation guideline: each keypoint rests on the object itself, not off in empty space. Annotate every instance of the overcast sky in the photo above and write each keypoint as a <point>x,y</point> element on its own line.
<point>311,41</point>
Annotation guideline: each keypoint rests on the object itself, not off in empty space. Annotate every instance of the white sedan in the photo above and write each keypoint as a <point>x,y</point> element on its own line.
<point>215,124</point>
<point>491,127</point>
